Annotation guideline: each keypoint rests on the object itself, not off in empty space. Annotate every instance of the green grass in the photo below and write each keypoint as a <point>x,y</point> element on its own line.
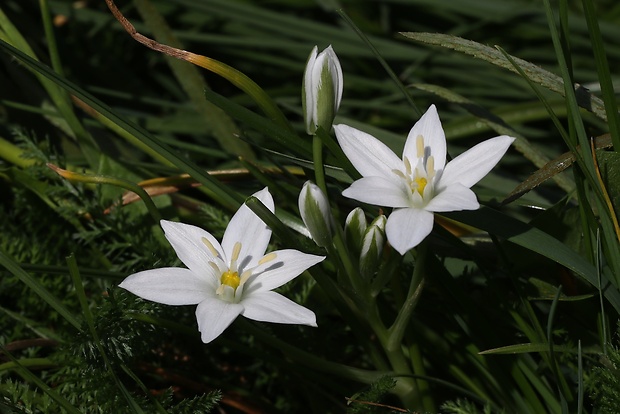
<point>518,311</point>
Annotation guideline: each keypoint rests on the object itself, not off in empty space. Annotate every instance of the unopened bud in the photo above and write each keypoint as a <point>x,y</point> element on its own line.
<point>316,214</point>
<point>321,90</point>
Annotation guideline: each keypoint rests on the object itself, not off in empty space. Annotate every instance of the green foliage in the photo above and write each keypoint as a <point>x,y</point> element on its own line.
<point>465,407</point>
<point>484,333</point>
<point>364,402</point>
<point>603,382</point>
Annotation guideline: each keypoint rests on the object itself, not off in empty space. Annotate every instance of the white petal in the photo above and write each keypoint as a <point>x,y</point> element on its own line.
<point>429,126</point>
<point>469,167</point>
<point>169,285</point>
<point>246,228</point>
<point>186,240</point>
<point>380,191</point>
<point>214,316</point>
<point>407,227</point>
<point>287,265</point>
<point>454,198</point>
<point>368,155</point>
<point>337,78</point>
<point>273,307</point>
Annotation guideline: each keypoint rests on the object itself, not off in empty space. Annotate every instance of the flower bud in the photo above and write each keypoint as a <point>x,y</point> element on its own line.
<point>372,247</point>
<point>321,90</point>
<point>354,229</point>
<point>316,214</point>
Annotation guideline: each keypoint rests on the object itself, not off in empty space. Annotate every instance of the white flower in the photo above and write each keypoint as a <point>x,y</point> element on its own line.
<point>420,183</point>
<point>227,280</point>
<point>321,89</point>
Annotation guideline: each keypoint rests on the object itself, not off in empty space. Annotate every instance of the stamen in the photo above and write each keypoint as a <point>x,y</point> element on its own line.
<point>400,173</point>
<point>407,166</point>
<point>215,267</point>
<point>268,258</point>
<point>419,145</point>
<point>430,167</point>
<point>235,256</point>
<point>244,277</point>
<point>212,249</point>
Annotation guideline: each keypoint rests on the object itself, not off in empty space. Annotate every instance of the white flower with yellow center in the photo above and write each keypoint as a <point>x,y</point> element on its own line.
<point>227,280</point>
<point>420,183</point>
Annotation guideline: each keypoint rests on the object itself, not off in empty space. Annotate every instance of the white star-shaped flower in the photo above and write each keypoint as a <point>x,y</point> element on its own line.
<point>227,280</point>
<point>420,183</point>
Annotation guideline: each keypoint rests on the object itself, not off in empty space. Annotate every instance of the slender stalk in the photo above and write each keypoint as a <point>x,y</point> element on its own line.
<point>102,179</point>
<point>319,168</point>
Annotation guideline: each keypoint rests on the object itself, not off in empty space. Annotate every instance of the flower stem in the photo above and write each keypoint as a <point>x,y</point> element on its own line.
<point>319,168</point>
<point>397,329</point>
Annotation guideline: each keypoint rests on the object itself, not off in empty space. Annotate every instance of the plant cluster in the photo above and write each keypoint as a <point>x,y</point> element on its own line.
<point>197,216</point>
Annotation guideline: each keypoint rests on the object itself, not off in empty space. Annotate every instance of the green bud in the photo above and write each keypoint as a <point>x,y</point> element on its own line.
<point>372,247</point>
<point>316,214</point>
<point>321,90</point>
<point>354,229</point>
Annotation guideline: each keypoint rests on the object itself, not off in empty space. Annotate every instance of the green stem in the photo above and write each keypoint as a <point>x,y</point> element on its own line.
<point>406,386</point>
<point>13,154</point>
<point>102,179</point>
<point>319,168</point>
<point>397,329</point>
<point>311,360</point>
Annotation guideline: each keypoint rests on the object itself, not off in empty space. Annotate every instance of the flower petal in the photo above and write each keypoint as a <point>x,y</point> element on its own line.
<point>454,198</point>
<point>380,191</point>
<point>169,285</point>
<point>186,240</point>
<point>368,155</point>
<point>407,227</point>
<point>214,316</point>
<point>429,127</point>
<point>248,229</point>
<point>273,307</point>
<point>287,265</point>
<point>469,167</point>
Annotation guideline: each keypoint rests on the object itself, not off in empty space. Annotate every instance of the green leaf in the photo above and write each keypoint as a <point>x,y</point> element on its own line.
<point>526,348</point>
<point>535,73</point>
<point>13,267</point>
<point>225,196</point>
<point>537,241</point>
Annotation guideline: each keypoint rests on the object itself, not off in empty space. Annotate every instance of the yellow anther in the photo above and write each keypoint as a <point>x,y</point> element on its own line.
<point>236,251</point>
<point>407,166</point>
<point>430,167</point>
<point>231,279</point>
<point>235,256</point>
<point>268,258</point>
<point>212,249</point>
<point>419,145</point>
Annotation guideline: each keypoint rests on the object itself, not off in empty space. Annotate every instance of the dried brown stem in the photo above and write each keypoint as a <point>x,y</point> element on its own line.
<point>148,42</point>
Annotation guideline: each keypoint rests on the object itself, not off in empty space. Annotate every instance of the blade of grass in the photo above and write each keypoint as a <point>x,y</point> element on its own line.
<point>13,267</point>
<point>382,61</point>
<point>535,240</point>
<point>10,34</point>
<point>223,194</point>
<point>192,82</point>
<point>535,73</point>
<point>74,271</point>
<point>29,376</point>
<point>602,68</point>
